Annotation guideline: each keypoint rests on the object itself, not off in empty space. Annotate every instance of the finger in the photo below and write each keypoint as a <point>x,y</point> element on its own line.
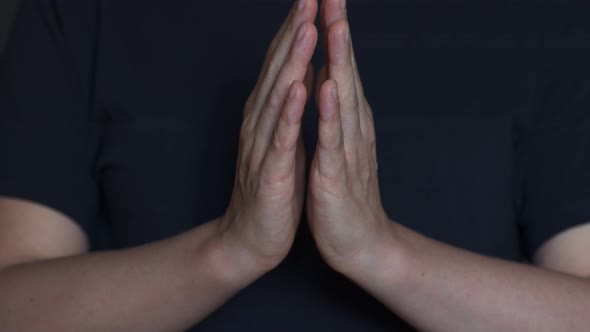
<point>340,68</point>
<point>280,159</point>
<point>294,69</point>
<point>287,25</point>
<point>330,154</point>
<point>270,55</point>
<point>332,11</point>
<point>303,11</point>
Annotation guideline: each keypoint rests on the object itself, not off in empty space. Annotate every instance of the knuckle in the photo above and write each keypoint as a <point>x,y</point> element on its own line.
<point>250,102</point>
<point>292,26</point>
<point>250,183</point>
<point>375,161</point>
<point>274,181</point>
<point>365,173</point>
<point>372,144</point>
<point>242,179</point>
<point>280,143</point>
<point>271,49</point>
<point>372,133</point>
<point>332,169</point>
<point>243,136</point>
<point>273,67</point>
<point>264,68</point>
<point>356,103</point>
<point>332,142</point>
<point>273,187</point>
<point>368,109</point>
<point>296,60</point>
<point>274,101</point>
<point>245,130</point>
<point>332,186</point>
<point>331,139</point>
<point>357,137</point>
<point>340,144</point>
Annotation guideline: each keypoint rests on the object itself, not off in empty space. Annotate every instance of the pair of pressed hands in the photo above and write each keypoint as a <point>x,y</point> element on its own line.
<point>343,202</point>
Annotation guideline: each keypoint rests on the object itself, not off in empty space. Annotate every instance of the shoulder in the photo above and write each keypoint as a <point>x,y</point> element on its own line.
<point>567,252</point>
<point>30,231</point>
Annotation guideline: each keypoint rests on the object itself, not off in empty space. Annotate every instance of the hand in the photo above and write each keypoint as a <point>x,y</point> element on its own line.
<point>344,204</point>
<point>267,199</point>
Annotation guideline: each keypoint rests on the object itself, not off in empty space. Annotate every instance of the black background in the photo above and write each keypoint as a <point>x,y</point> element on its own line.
<point>7,11</point>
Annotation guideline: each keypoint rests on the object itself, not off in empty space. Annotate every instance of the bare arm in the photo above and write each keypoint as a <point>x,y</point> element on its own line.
<point>434,286</point>
<point>439,288</point>
<point>164,286</point>
<point>49,282</point>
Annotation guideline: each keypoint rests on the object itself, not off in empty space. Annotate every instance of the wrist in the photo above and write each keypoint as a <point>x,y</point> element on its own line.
<point>386,263</point>
<point>395,259</point>
<point>236,261</point>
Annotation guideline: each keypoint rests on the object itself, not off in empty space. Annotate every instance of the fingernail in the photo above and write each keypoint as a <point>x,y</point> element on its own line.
<point>301,32</point>
<point>346,34</point>
<point>292,91</point>
<point>300,5</point>
<point>335,92</point>
<point>343,4</point>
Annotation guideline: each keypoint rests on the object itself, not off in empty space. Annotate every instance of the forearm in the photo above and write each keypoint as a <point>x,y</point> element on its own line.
<point>165,286</point>
<point>438,288</point>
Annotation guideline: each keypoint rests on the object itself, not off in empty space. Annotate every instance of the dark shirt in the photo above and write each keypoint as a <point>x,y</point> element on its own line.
<point>124,115</point>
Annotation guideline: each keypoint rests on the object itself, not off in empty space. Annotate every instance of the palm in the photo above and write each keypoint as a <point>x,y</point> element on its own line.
<point>344,204</point>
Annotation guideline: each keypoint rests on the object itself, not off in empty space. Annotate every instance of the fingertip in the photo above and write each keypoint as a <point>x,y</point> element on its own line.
<point>329,101</point>
<point>300,5</point>
<point>293,90</point>
<point>306,40</point>
<point>314,9</point>
<point>339,37</point>
<point>307,8</point>
<point>297,98</point>
<point>333,10</point>
<point>330,148</point>
<point>339,30</point>
<point>301,89</point>
<point>331,89</point>
<point>310,6</point>
<point>312,31</point>
<point>334,92</point>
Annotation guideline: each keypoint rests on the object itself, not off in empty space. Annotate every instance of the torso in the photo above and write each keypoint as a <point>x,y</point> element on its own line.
<point>449,92</point>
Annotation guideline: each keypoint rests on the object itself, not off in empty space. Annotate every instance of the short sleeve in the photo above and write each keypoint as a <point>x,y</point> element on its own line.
<point>48,138</point>
<point>556,150</point>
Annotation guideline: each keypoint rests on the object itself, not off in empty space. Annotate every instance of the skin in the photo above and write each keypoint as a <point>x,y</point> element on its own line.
<point>433,286</point>
<point>45,267</point>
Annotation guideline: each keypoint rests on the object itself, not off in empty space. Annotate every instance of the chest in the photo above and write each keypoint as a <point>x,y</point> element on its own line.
<point>446,113</point>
